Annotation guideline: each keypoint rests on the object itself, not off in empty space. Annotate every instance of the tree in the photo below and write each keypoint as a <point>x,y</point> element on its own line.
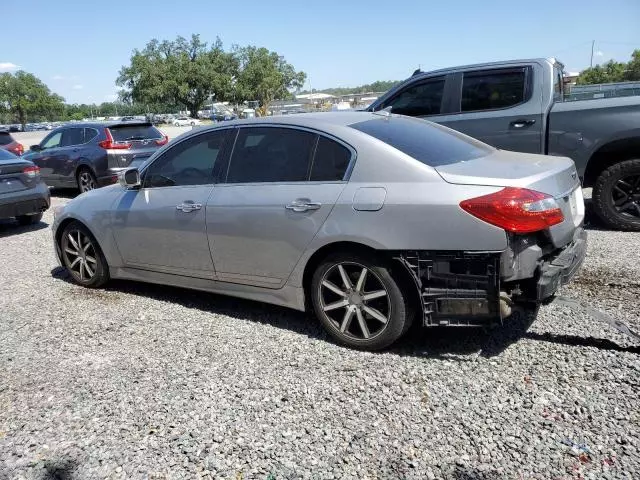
<point>180,72</point>
<point>264,76</point>
<point>633,67</point>
<point>23,95</point>
<point>612,71</point>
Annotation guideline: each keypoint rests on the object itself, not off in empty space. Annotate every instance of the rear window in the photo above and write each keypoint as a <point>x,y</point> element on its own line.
<point>5,138</point>
<point>427,142</point>
<point>134,132</point>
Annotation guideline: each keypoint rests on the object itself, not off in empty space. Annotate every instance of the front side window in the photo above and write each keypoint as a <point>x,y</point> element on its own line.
<point>418,99</point>
<point>190,162</point>
<point>270,154</point>
<point>330,162</point>
<point>72,136</point>
<point>489,90</point>
<point>52,141</point>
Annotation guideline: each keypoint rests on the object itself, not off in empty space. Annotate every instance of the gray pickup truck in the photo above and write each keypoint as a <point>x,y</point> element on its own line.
<point>518,105</point>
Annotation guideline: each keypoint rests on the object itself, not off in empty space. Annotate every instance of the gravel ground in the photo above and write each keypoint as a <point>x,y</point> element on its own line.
<point>138,381</point>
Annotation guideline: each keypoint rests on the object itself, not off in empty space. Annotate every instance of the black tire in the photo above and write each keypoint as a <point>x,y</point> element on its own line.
<point>93,256</point>
<point>606,193</point>
<point>29,219</point>
<point>86,180</point>
<point>396,305</point>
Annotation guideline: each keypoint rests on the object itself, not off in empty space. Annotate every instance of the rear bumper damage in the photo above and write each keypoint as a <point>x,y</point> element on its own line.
<point>480,288</point>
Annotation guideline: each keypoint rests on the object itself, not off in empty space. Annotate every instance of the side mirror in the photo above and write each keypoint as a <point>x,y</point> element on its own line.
<point>130,178</point>
<point>36,148</point>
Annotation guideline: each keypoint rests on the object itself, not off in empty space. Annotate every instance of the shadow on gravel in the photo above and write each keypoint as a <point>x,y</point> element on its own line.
<point>64,192</point>
<point>59,469</point>
<point>9,228</point>
<point>437,342</point>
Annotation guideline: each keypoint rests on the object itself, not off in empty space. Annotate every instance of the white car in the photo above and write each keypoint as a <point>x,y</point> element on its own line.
<point>184,121</point>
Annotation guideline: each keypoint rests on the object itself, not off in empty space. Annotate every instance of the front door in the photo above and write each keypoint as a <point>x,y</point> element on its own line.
<point>500,107</point>
<point>276,197</point>
<point>161,226</point>
<point>47,156</point>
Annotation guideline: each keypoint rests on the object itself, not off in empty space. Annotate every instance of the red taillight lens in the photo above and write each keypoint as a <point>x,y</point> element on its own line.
<point>517,210</point>
<point>31,172</point>
<point>16,148</point>
<point>162,141</point>
<point>109,144</point>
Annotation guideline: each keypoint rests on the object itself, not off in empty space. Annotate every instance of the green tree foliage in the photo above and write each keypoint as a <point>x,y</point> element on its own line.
<point>264,76</point>
<point>24,96</point>
<point>184,72</point>
<point>378,86</point>
<point>612,71</point>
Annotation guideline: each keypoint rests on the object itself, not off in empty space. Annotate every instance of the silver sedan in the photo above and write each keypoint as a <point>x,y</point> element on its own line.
<point>374,221</point>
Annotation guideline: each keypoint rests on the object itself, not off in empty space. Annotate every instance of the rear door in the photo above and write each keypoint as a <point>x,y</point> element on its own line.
<point>143,140</point>
<point>161,227</point>
<point>281,185</point>
<point>63,163</point>
<point>500,106</point>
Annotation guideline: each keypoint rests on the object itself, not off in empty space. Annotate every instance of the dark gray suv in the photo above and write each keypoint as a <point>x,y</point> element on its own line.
<point>90,155</point>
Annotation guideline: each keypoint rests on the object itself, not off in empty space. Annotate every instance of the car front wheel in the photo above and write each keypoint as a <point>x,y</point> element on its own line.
<point>359,302</point>
<point>616,196</point>
<point>82,256</point>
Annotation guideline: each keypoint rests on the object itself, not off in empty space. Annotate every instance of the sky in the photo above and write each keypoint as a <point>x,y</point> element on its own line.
<point>78,47</point>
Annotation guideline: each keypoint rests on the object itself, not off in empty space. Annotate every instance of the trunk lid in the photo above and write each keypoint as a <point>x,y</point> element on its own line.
<point>143,139</point>
<point>12,179</point>
<point>555,176</point>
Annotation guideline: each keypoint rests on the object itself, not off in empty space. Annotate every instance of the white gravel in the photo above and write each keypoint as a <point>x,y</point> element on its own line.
<point>139,381</point>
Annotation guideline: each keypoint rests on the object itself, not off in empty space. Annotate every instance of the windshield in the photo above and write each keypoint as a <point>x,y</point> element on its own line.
<point>427,142</point>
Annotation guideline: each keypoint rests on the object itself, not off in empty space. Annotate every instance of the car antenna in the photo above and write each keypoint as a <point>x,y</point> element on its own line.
<point>385,112</point>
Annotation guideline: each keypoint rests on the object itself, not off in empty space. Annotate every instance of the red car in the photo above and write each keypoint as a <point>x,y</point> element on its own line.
<point>7,142</point>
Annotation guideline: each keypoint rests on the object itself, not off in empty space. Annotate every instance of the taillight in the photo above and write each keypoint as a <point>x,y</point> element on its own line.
<point>517,210</point>
<point>162,141</point>
<point>31,172</point>
<point>109,144</point>
<point>16,148</point>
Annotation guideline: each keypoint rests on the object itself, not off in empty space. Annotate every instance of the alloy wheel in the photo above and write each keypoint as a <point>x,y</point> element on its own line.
<point>86,181</point>
<point>355,301</point>
<point>626,196</point>
<point>80,255</point>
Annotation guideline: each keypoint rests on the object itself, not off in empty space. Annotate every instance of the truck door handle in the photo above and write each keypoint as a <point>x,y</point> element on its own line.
<point>302,205</point>
<point>521,123</point>
<point>187,207</point>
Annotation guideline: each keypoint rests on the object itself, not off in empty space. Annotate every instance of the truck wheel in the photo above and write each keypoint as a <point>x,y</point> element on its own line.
<point>616,196</point>
<point>359,302</point>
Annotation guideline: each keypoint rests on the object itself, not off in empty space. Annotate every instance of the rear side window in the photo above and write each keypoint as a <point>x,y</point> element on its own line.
<point>5,138</point>
<point>419,99</point>
<point>134,132</point>
<point>90,134</point>
<point>266,154</point>
<point>492,89</point>
<point>427,142</point>
<point>330,162</point>
<point>72,136</point>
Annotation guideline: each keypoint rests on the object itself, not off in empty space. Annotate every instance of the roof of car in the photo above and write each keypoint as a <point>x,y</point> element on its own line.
<point>306,119</point>
<point>105,124</point>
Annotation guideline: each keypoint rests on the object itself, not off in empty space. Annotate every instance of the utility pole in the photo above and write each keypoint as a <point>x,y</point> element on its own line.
<point>593,43</point>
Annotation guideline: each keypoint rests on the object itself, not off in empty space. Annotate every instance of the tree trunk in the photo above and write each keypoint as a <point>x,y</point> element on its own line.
<point>22,117</point>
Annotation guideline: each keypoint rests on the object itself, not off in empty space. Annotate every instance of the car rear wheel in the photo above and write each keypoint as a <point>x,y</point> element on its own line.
<point>86,180</point>
<point>616,196</point>
<point>29,219</point>
<point>359,302</point>
<point>82,256</point>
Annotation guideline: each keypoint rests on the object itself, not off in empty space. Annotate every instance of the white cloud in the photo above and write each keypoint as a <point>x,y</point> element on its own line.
<point>598,53</point>
<point>6,66</point>
<point>78,87</point>
<point>57,77</point>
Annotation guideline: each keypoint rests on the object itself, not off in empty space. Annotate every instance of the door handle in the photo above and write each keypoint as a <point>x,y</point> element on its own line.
<point>521,123</point>
<point>302,205</point>
<point>189,207</point>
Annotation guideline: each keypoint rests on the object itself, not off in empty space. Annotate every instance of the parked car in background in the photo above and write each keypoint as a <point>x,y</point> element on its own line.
<point>184,121</point>
<point>23,194</point>
<point>7,142</point>
<point>374,219</point>
<point>222,115</point>
<point>87,155</point>
<point>518,105</point>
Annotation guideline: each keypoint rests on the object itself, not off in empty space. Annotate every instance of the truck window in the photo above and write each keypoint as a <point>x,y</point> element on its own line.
<point>558,84</point>
<point>492,89</point>
<point>418,99</point>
